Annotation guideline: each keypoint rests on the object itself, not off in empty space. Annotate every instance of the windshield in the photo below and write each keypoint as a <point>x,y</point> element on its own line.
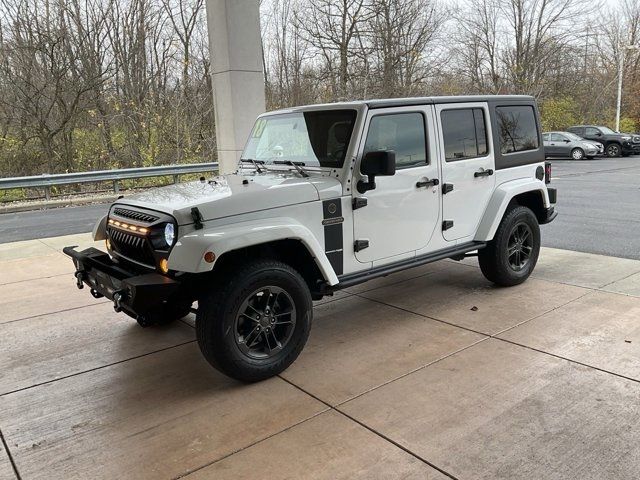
<point>317,138</point>
<point>606,130</point>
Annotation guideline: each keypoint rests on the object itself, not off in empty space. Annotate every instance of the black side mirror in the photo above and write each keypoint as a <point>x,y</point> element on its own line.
<point>382,163</point>
<point>566,140</point>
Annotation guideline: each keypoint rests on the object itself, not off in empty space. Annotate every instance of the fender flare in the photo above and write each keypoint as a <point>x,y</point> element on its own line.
<point>502,195</point>
<point>100,229</point>
<point>188,253</point>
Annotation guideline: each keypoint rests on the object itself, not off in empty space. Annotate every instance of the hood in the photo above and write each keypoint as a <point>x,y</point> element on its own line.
<point>232,194</point>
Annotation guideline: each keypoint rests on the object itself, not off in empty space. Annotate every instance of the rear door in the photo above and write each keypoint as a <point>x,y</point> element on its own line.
<point>467,167</point>
<point>558,146</point>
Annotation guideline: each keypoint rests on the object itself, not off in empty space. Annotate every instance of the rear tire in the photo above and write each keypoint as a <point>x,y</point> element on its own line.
<point>254,323</point>
<point>512,255</point>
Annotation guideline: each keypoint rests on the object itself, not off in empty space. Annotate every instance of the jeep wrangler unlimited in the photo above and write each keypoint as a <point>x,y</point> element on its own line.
<point>326,197</point>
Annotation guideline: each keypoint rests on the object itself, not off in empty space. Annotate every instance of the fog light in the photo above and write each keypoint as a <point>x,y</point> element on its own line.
<point>209,257</point>
<point>164,265</point>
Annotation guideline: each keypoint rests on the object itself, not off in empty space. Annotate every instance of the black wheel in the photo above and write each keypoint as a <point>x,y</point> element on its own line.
<point>577,154</point>
<point>613,150</point>
<point>512,255</point>
<point>164,315</point>
<point>254,325</point>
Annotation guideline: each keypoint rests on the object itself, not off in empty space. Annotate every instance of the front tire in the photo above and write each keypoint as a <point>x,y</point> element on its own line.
<point>613,150</point>
<point>577,154</point>
<point>254,323</point>
<point>512,255</point>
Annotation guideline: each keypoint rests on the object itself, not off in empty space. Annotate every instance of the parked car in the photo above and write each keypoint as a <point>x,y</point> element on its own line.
<point>615,144</point>
<point>567,144</point>
<point>326,197</point>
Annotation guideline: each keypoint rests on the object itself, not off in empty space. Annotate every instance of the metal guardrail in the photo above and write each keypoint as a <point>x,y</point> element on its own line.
<point>47,181</point>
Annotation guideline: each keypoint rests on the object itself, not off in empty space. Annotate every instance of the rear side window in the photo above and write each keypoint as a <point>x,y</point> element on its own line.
<point>591,131</point>
<point>404,133</point>
<point>517,129</point>
<point>465,133</point>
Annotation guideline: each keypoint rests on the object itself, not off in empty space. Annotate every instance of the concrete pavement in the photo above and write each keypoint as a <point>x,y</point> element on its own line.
<point>430,373</point>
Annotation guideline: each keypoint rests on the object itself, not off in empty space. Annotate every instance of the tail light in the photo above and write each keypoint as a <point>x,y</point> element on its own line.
<point>547,172</point>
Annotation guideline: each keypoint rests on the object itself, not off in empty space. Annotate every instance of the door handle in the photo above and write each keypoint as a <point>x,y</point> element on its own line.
<point>428,183</point>
<point>483,173</point>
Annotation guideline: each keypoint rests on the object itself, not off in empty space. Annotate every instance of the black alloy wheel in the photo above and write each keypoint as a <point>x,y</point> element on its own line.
<point>265,322</point>
<point>613,150</point>
<point>520,246</point>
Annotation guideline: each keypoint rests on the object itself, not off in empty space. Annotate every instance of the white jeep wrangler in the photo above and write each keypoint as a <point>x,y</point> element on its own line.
<point>326,197</point>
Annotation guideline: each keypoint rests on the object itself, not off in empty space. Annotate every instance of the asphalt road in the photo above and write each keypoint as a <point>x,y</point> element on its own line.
<point>598,204</point>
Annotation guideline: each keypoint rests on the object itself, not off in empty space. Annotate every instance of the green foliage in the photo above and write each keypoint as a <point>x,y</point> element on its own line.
<point>559,114</point>
<point>628,125</point>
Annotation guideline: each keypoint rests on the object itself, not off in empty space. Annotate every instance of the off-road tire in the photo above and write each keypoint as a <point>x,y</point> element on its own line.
<point>494,260</point>
<point>219,307</point>
<point>613,150</point>
<point>577,154</point>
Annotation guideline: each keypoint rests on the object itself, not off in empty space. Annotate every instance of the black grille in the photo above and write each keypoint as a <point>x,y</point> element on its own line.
<point>134,215</point>
<point>133,247</point>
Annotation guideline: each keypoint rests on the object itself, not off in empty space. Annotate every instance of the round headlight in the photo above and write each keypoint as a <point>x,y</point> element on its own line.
<point>169,234</point>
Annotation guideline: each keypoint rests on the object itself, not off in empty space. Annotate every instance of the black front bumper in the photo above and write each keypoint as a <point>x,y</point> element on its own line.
<point>134,293</point>
<point>631,148</point>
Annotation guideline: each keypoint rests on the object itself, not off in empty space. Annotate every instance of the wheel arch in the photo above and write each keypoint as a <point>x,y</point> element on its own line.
<point>283,239</point>
<point>525,192</point>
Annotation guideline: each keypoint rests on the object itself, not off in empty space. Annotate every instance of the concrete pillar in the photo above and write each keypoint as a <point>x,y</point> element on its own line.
<point>237,70</point>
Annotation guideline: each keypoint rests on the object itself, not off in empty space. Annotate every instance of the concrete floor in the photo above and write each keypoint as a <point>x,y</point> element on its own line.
<point>431,373</point>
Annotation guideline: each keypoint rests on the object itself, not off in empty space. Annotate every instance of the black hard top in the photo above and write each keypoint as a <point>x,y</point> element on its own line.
<point>403,102</point>
<point>412,101</point>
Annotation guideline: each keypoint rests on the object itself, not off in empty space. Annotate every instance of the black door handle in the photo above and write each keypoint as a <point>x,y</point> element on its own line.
<point>428,183</point>
<point>483,173</point>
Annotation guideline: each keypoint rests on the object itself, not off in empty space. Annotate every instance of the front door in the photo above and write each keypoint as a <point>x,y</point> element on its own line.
<point>467,168</point>
<point>402,211</point>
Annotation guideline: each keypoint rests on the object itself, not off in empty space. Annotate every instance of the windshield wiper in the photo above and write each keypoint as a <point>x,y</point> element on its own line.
<point>256,163</point>
<point>298,166</point>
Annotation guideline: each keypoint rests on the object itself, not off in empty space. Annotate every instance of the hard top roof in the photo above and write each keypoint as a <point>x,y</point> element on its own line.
<point>404,102</point>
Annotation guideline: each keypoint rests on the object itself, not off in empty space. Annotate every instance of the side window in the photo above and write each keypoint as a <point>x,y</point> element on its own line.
<point>404,133</point>
<point>556,137</point>
<point>545,137</point>
<point>465,133</point>
<point>517,129</point>
<point>591,131</point>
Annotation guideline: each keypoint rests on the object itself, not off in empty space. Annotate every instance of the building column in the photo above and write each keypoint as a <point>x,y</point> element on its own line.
<point>235,47</point>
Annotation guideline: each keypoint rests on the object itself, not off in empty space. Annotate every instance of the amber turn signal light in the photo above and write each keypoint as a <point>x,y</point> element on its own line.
<point>164,265</point>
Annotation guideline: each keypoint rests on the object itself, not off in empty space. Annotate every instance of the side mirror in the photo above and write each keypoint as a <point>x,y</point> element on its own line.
<point>382,163</point>
<point>566,140</point>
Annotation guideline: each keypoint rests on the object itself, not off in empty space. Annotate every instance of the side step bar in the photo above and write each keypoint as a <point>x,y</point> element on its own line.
<point>360,277</point>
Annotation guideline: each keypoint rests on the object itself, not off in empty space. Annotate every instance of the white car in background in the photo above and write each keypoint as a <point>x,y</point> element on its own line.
<point>567,144</point>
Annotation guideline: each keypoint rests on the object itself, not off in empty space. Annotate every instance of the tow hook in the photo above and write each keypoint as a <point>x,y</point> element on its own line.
<point>79,277</point>
<point>118,298</point>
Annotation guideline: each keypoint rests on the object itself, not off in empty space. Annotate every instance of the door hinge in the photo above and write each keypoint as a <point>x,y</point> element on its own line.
<point>447,187</point>
<point>360,245</point>
<point>447,224</point>
<point>359,202</point>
